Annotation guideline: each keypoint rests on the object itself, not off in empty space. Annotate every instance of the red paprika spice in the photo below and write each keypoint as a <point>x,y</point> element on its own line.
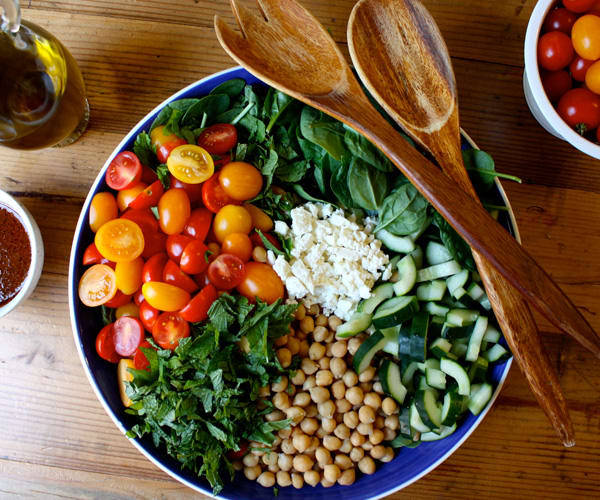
<point>15,254</point>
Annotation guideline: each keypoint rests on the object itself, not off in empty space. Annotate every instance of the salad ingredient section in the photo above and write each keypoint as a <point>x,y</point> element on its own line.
<point>15,254</point>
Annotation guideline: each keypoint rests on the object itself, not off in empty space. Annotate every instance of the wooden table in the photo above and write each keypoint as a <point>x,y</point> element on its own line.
<point>56,440</point>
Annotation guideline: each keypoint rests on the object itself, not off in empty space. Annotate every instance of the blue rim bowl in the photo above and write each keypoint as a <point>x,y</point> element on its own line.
<point>407,467</point>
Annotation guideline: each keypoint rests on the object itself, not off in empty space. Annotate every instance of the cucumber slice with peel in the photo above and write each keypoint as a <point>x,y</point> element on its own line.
<point>480,395</point>
<point>428,408</point>
<point>391,381</point>
<point>400,244</point>
<point>458,373</point>
<point>357,323</point>
<point>407,271</point>
<point>367,350</point>
<point>394,311</point>
<point>434,436</point>
<point>438,271</point>
<point>378,295</point>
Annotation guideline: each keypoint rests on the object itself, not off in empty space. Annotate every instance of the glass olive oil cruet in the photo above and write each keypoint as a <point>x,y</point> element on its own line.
<point>42,95</point>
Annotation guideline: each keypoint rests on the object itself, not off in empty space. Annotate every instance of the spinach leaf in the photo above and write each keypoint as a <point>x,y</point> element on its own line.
<point>144,150</point>
<point>323,131</point>
<point>360,147</point>
<point>292,172</point>
<point>180,105</point>
<point>164,176</point>
<point>458,248</point>
<point>367,185</point>
<point>404,211</point>
<point>477,163</point>
<point>277,206</point>
<point>212,105</point>
<point>339,181</point>
<point>232,88</point>
<point>267,163</point>
<point>108,315</point>
<point>300,191</point>
<point>275,105</point>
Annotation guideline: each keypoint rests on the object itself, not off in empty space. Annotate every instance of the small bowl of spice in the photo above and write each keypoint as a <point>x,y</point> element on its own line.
<point>21,253</point>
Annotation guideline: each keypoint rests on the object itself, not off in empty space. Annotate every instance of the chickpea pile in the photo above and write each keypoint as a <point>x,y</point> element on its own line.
<point>340,420</point>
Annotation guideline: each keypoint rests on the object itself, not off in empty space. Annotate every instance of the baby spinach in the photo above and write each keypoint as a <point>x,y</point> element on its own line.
<point>212,105</point>
<point>292,171</point>
<point>144,150</point>
<point>403,212</point>
<point>323,131</point>
<point>181,106</point>
<point>232,88</point>
<point>367,185</point>
<point>339,182</point>
<point>458,248</point>
<point>360,147</point>
<point>274,106</point>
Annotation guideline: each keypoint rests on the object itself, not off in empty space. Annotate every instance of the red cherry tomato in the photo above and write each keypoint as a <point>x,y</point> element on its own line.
<point>148,197</point>
<point>175,245</point>
<point>153,244</point>
<point>169,329</point>
<point>120,299</point>
<point>218,138</point>
<point>194,259</point>
<point>579,67</point>
<point>105,346</point>
<point>194,191</point>
<point>124,172</point>
<point>226,271</point>
<point>164,143</point>
<point>138,297</point>
<point>140,361</point>
<point>261,281</point>
<point>148,315</point>
<point>197,308</point>
<point>221,161</point>
<point>153,268</point>
<point>555,51</point>
<point>556,83</point>
<point>580,108</point>
<point>257,240</point>
<point>597,137</point>
<point>143,218</point>
<point>198,224</point>
<point>148,175</point>
<point>173,275</point>
<point>579,6</point>
<point>202,279</point>
<point>213,195</point>
<point>128,333</point>
<point>595,9</point>
<point>559,20</point>
<point>238,455</point>
<point>92,256</point>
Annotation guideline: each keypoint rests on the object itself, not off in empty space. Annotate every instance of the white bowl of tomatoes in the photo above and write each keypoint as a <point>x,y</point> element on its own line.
<point>562,70</point>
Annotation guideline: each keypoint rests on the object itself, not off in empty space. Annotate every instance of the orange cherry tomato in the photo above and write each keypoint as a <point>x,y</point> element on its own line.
<point>97,285</point>
<point>592,77</point>
<point>262,282</point>
<point>174,211</point>
<point>127,196</point>
<point>231,219</point>
<point>120,240</point>
<point>240,180</point>
<point>130,309</point>
<point>169,329</point>
<point>586,37</point>
<point>237,244</point>
<point>102,209</point>
<point>165,297</point>
<point>190,164</point>
<point>129,275</point>
<point>164,143</point>
<point>260,220</point>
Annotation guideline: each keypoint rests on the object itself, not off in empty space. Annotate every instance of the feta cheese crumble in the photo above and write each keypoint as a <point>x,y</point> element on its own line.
<point>335,261</point>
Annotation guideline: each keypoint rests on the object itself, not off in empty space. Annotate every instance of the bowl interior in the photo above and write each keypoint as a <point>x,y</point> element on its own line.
<point>408,466</point>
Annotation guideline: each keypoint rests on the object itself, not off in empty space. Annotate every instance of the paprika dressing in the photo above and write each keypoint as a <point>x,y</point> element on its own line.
<point>15,254</point>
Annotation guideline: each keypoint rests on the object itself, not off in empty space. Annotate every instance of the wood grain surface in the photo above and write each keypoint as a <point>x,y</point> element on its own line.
<point>56,440</point>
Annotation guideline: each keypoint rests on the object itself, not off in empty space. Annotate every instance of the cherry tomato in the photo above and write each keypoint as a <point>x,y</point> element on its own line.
<point>202,279</point>
<point>257,240</point>
<point>128,196</point>
<point>129,275</point>
<point>175,245</point>
<point>260,220</point>
<point>262,282</point>
<point>218,138</point>
<point>148,175</point>
<point>592,78</point>
<point>174,211</point>
<point>231,219</point>
<point>556,83</point>
<point>169,329</point>
<point>595,9</point>
<point>578,6</point>
<point>194,191</point>
<point>241,181</point>
<point>226,271</point>
<point>138,297</point>
<point>221,161</point>
<point>238,455</point>
<point>120,240</point>
<point>213,195</point>
<point>102,209</point>
<point>173,275</point>
<point>586,37</point>
<point>194,258</point>
<point>130,309</point>
<point>92,256</point>
<point>143,218</point>
<point>197,308</point>
<point>199,223</point>
<point>554,51</point>
<point>148,315</point>
<point>237,244</point>
<point>97,285</point>
<point>154,243</point>
<point>148,197</point>
<point>140,361</point>
<point>153,268</point>
<point>120,299</point>
<point>165,297</point>
<point>579,67</point>
<point>105,346</point>
<point>124,171</point>
<point>559,20</point>
<point>128,334</point>
<point>164,143</point>
<point>190,164</point>
<point>580,108</point>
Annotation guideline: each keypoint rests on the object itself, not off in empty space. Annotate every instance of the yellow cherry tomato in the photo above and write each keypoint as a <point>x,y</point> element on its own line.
<point>130,309</point>
<point>238,244</point>
<point>97,285</point>
<point>164,143</point>
<point>585,36</point>
<point>173,211</point>
<point>190,163</point>
<point>129,275</point>
<point>165,297</point>
<point>592,77</point>
<point>126,196</point>
<point>124,376</point>
<point>260,220</point>
<point>102,209</point>
<point>231,219</point>
<point>240,180</point>
<point>120,240</point>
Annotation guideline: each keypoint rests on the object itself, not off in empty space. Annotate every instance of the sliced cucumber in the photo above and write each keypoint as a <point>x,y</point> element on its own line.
<point>459,349</point>
<point>456,281</point>
<point>371,346</point>
<point>400,244</point>
<point>436,309</point>
<point>394,311</point>
<point>475,292</point>
<point>478,370</point>
<point>458,373</point>
<point>404,427</point>
<point>491,334</point>
<point>435,378</point>
<point>461,295</point>
<point>480,395</point>
<point>407,271</point>
<point>417,255</point>
<point>378,295</point>
<point>428,408</point>
<point>496,353</point>
<point>453,332</point>
<point>357,323</point>
<point>419,328</point>
<point>440,348</point>
<point>476,338</point>
<point>434,290</point>
<point>391,381</point>
<point>415,420</point>
<point>461,317</point>
<point>391,335</point>
<point>434,436</point>
<point>452,407</point>
<point>437,253</point>
<point>409,373</point>
<point>438,271</point>
<point>401,441</point>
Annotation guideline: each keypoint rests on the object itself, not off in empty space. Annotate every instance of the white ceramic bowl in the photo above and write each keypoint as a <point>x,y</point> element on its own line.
<point>536,98</point>
<point>37,251</point>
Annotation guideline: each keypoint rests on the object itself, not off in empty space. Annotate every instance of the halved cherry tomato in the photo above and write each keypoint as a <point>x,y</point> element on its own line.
<point>213,195</point>
<point>148,315</point>
<point>175,245</point>
<point>138,297</point>
<point>556,83</point>
<point>92,256</point>
<point>198,224</point>
<point>579,67</point>
<point>97,285</point>
<point>153,268</point>
<point>218,138</point>
<point>194,258</point>
<point>174,211</point>
<point>586,37</point>
<point>555,50</point>
<point>169,329</point>
<point>191,164</point>
<point>127,196</point>
<point>258,242</point>
<point>240,180</point>
<point>592,78</point>
<point>194,191</point>
<point>231,219</point>
<point>120,240</point>
<point>164,143</point>
<point>140,361</point>
<point>260,220</point>
<point>120,299</point>
<point>173,275</point>
<point>226,271</point>
<point>165,297</point>
<point>143,218</point>
<point>261,281</point>
<point>148,175</point>
<point>124,171</point>
<point>102,209</point>
<point>105,346</point>
<point>197,308</point>
<point>148,197</point>
<point>559,20</point>
<point>238,455</point>
<point>579,6</point>
<point>129,275</point>
<point>238,244</point>
<point>130,309</point>
<point>580,108</point>
<point>154,243</point>
<point>128,334</point>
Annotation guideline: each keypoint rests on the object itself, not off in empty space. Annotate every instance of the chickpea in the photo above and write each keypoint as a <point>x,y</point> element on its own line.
<point>389,434</point>
<point>274,416</point>
<point>326,409</point>
<point>283,478</point>
<point>320,333</point>
<point>312,410</point>
<point>321,320</point>
<point>353,345</point>
<point>366,465</point>
<point>301,442</point>
<point>324,363</point>
<point>351,419</point>
<point>302,463</point>
<point>346,446</point>
<point>324,377</point>
<point>252,473</point>
<point>364,428</point>
<point>379,422</point>
<point>309,425</point>
<point>377,451</point>
<point>312,477</point>
<point>284,462</point>
<point>313,446</point>
<point>357,439</point>
<point>298,378</point>
<point>339,349</point>
<point>389,455</point>
<point>367,446</point>
<point>293,344</point>
<point>377,387</point>
<point>338,367</point>
<point>281,341</point>
<point>295,413</point>
<point>330,338</point>
<point>323,455</point>
<point>309,383</point>
<point>321,433</point>
<point>334,322</point>
<point>342,431</point>
<point>389,406</point>
<point>314,310</point>
<point>356,454</point>
<point>343,461</point>
<point>328,424</point>
<point>355,395</point>
<point>367,375</point>
<point>303,352</point>
<point>319,394</point>
<point>343,405</point>
<point>326,484</point>
<point>307,324</point>
<point>237,465</point>
<point>300,335</point>
<point>373,400</point>
<point>300,312</point>
<point>285,433</point>
<point>308,366</point>
<point>297,480</point>
<point>338,389</point>
<point>281,401</point>
<point>250,460</point>
<point>302,399</point>
<point>350,378</point>
<point>270,458</point>
<point>332,443</point>
<point>316,351</point>
<point>284,356</point>
<point>281,385</point>
<point>259,254</point>
<point>263,392</point>
<point>366,415</point>
<point>331,472</point>
<point>347,478</point>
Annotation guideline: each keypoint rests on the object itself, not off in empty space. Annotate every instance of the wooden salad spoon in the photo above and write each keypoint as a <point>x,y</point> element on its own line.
<point>400,56</point>
<point>286,47</point>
